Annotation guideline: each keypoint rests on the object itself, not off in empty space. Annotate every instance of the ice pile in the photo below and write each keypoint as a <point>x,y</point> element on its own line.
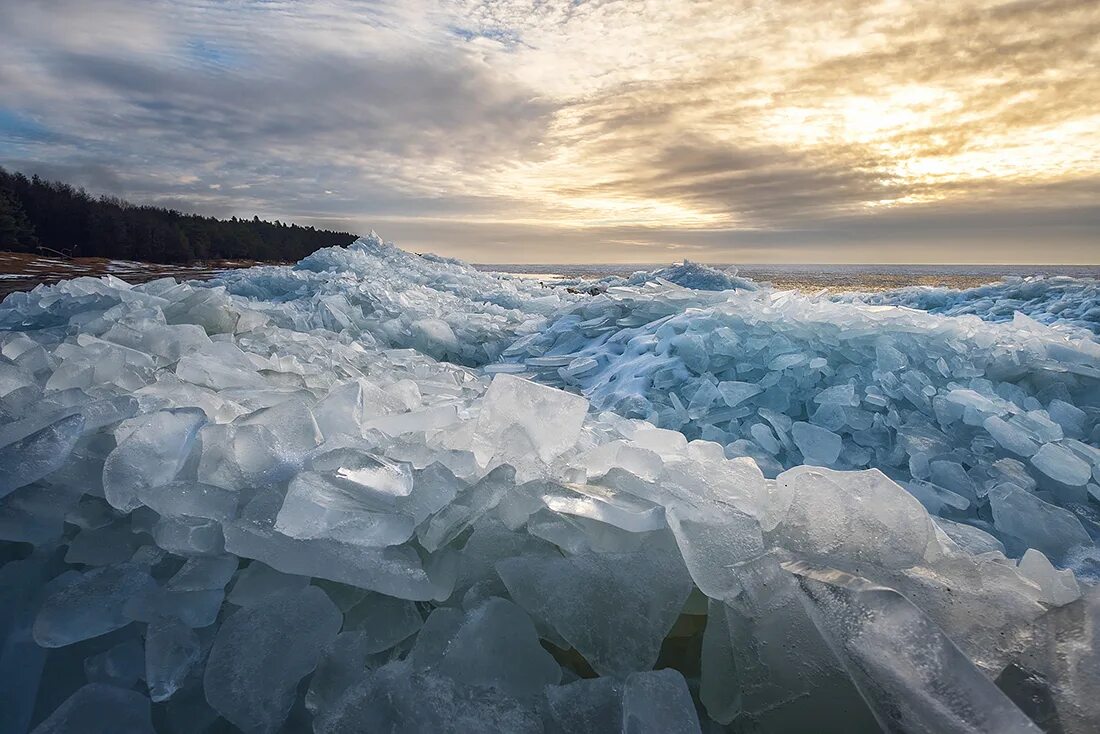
<point>1058,301</point>
<point>373,290</point>
<point>687,274</point>
<point>220,511</point>
<point>972,418</point>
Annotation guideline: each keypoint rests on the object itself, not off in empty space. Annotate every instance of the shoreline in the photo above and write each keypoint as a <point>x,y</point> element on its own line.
<point>20,271</point>
<point>23,271</point>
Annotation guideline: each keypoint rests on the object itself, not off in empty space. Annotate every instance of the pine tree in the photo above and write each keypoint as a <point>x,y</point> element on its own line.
<point>16,231</point>
<point>35,212</point>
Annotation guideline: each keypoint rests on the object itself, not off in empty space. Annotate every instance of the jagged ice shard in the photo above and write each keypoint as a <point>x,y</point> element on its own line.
<point>376,491</point>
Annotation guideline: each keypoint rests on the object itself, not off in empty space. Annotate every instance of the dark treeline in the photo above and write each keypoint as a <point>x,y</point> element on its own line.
<point>37,214</point>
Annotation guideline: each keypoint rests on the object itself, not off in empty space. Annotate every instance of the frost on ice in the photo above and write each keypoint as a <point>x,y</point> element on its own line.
<point>382,492</point>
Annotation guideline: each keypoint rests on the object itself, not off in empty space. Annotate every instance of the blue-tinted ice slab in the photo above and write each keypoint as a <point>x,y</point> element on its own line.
<point>261,653</point>
<point>911,674</point>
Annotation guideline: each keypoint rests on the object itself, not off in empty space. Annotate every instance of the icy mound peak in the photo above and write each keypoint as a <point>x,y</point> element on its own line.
<point>701,277</point>
<point>375,292</point>
<point>688,274</point>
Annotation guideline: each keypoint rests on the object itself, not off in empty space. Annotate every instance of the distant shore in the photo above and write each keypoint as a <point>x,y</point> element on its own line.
<point>22,271</point>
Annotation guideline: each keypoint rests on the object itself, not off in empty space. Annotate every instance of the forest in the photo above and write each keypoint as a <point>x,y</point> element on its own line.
<point>43,216</point>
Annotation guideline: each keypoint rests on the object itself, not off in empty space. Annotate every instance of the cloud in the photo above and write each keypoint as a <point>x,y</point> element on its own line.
<point>578,130</point>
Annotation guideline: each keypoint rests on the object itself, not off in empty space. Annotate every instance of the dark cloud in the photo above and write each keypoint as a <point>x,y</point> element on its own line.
<point>763,187</point>
<point>407,107</point>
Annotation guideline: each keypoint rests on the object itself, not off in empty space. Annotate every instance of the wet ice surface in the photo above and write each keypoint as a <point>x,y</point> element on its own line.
<point>382,492</point>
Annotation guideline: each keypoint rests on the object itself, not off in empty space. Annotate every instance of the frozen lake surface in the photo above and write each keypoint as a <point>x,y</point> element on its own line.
<point>872,277</point>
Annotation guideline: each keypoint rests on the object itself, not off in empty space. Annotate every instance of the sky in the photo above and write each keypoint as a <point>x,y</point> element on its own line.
<point>610,131</point>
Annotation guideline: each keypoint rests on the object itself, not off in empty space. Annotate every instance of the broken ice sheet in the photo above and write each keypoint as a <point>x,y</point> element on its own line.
<point>911,674</point>
<point>734,392</point>
<point>658,702</point>
<point>397,570</point>
<point>91,604</point>
<point>492,541</point>
<point>32,457</point>
<point>974,540</point>
<point>1057,587</point>
<point>819,445</point>
<point>383,620</point>
<point>35,513</point>
<point>588,706</point>
<point>550,419</point>
<point>618,630</point>
<point>293,429</point>
<point>347,657</point>
<point>236,457</point>
<point>735,482</point>
<point>1038,524</point>
<point>191,499</point>
<point>326,506</point>
<point>150,455</point>
<point>599,503</point>
<point>171,651</point>
<point>261,653</point>
<point>367,470</point>
<point>854,516</point>
<point>258,581</point>
<point>630,456</point>
<point>470,504</point>
<point>189,535</point>
<point>719,688</point>
<point>766,661</point>
<point>1062,465</point>
<point>1055,651</point>
<point>712,540</point>
<point>496,646</point>
<point>413,421</point>
<point>396,697</point>
<point>113,543</point>
<point>98,708</point>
